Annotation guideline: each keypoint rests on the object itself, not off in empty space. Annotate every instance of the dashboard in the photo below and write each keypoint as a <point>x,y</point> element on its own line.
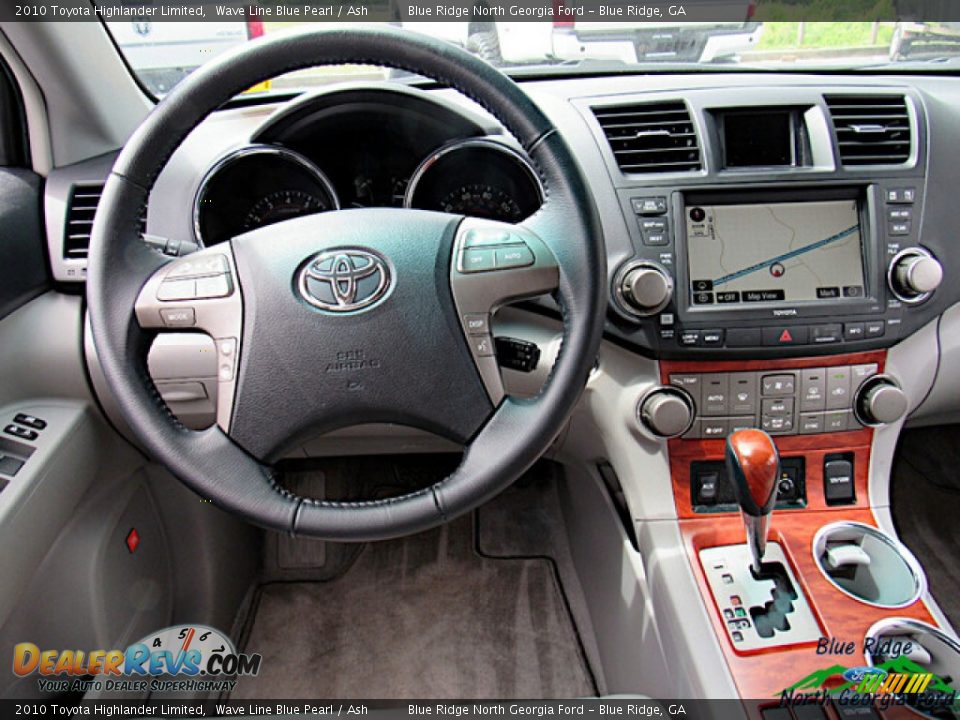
<point>359,149</point>
<point>745,216</point>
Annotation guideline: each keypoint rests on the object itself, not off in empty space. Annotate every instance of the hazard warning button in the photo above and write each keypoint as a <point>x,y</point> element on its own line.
<point>793,335</point>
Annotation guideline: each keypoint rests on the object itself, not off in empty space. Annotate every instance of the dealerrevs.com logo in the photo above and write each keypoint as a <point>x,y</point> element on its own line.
<point>176,659</point>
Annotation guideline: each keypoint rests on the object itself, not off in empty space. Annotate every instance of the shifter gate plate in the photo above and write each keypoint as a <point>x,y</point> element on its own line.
<point>758,612</point>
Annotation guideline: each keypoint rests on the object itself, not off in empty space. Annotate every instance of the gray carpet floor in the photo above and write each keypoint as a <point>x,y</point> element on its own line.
<point>422,617</point>
<point>926,503</point>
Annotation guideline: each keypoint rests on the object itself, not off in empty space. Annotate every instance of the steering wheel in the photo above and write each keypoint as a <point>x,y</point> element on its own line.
<point>347,317</point>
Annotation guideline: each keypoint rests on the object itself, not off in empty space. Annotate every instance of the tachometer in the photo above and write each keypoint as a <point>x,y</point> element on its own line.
<point>283,205</point>
<point>255,186</point>
<point>477,177</point>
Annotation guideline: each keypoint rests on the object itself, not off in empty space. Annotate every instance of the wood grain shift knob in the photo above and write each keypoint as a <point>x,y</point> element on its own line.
<point>753,467</point>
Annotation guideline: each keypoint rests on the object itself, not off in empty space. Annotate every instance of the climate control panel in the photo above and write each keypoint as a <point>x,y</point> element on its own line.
<point>803,401</point>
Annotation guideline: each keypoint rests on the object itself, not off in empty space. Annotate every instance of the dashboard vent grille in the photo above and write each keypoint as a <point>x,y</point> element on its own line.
<point>871,129</point>
<point>651,137</point>
<point>81,209</point>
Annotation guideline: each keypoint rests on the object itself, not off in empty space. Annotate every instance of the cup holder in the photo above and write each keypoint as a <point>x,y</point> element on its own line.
<point>892,640</point>
<point>869,565</point>
<point>924,644</point>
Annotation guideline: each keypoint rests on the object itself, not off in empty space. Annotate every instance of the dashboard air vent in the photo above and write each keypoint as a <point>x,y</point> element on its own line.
<point>651,137</point>
<point>81,209</point>
<point>871,129</point>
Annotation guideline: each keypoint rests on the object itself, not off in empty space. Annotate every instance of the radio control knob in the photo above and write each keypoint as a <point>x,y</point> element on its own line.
<point>646,288</point>
<point>880,401</point>
<point>666,411</point>
<point>914,274</point>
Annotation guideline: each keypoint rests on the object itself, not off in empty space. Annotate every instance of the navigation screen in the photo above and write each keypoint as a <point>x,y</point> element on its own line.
<point>774,252</point>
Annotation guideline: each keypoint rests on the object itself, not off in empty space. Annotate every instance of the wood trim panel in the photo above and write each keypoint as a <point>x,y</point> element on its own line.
<point>812,447</point>
<point>763,674</point>
<point>667,367</point>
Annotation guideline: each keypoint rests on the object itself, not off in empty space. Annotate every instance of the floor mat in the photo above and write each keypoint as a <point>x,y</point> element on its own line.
<point>421,617</point>
<point>926,500</point>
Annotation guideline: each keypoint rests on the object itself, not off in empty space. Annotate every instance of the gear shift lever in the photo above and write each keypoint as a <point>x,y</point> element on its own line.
<point>753,466</point>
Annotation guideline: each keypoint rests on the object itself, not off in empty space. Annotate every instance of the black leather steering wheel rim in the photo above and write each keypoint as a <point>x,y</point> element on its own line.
<point>517,433</point>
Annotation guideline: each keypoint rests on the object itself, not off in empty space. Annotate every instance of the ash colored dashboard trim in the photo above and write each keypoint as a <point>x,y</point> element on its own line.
<point>458,145</point>
<point>249,151</point>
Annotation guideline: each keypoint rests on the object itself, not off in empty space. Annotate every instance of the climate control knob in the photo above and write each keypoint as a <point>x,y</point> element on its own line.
<point>880,401</point>
<point>914,274</point>
<point>645,288</point>
<point>666,411</point>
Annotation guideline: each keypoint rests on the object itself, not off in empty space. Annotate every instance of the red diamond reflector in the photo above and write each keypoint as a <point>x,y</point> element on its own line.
<point>133,540</point>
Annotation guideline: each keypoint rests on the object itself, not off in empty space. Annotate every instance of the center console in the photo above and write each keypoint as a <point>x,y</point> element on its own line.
<point>777,251</point>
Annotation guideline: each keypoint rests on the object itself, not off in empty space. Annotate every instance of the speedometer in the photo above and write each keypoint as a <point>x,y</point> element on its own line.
<point>477,177</point>
<point>482,201</point>
<point>283,205</point>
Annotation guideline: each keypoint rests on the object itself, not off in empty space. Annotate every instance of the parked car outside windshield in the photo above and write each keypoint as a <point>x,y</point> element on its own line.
<point>163,53</point>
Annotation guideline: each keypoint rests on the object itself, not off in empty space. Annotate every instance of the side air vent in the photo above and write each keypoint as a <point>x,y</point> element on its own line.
<point>871,129</point>
<point>651,137</point>
<point>80,212</point>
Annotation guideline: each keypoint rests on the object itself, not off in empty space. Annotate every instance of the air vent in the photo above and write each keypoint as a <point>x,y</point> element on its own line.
<point>80,212</point>
<point>652,137</point>
<point>871,129</point>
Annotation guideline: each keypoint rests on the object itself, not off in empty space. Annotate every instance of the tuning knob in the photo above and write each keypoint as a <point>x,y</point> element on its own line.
<point>645,288</point>
<point>880,401</point>
<point>666,411</point>
<point>914,274</point>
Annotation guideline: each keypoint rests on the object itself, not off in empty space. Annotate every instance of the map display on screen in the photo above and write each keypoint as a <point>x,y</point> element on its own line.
<point>774,252</point>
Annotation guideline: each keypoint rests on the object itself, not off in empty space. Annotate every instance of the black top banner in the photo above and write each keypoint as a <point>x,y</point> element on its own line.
<point>555,11</point>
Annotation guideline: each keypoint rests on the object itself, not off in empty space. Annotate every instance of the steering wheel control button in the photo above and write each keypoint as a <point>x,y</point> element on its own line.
<point>486,236</point>
<point>227,361</point>
<point>216,286</point>
<point>196,267</point>
<point>30,421</point>
<point>513,256</point>
<point>177,290</point>
<point>20,432</point>
<point>178,317</point>
<point>478,260</point>
<point>482,346</point>
<point>477,324</point>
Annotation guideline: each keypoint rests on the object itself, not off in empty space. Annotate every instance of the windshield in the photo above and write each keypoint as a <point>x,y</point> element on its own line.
<point>162,52</point>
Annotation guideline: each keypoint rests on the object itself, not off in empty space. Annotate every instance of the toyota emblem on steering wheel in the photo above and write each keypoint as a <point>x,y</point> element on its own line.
<point>344,280</point>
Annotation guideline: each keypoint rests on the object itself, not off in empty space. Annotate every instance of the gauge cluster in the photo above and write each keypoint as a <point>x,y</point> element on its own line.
<point>369,151</point>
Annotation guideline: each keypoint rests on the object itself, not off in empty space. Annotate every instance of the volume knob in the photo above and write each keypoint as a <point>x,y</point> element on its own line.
<point>914,274</point>
<point>666,411</point>
<point>646,288</point>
